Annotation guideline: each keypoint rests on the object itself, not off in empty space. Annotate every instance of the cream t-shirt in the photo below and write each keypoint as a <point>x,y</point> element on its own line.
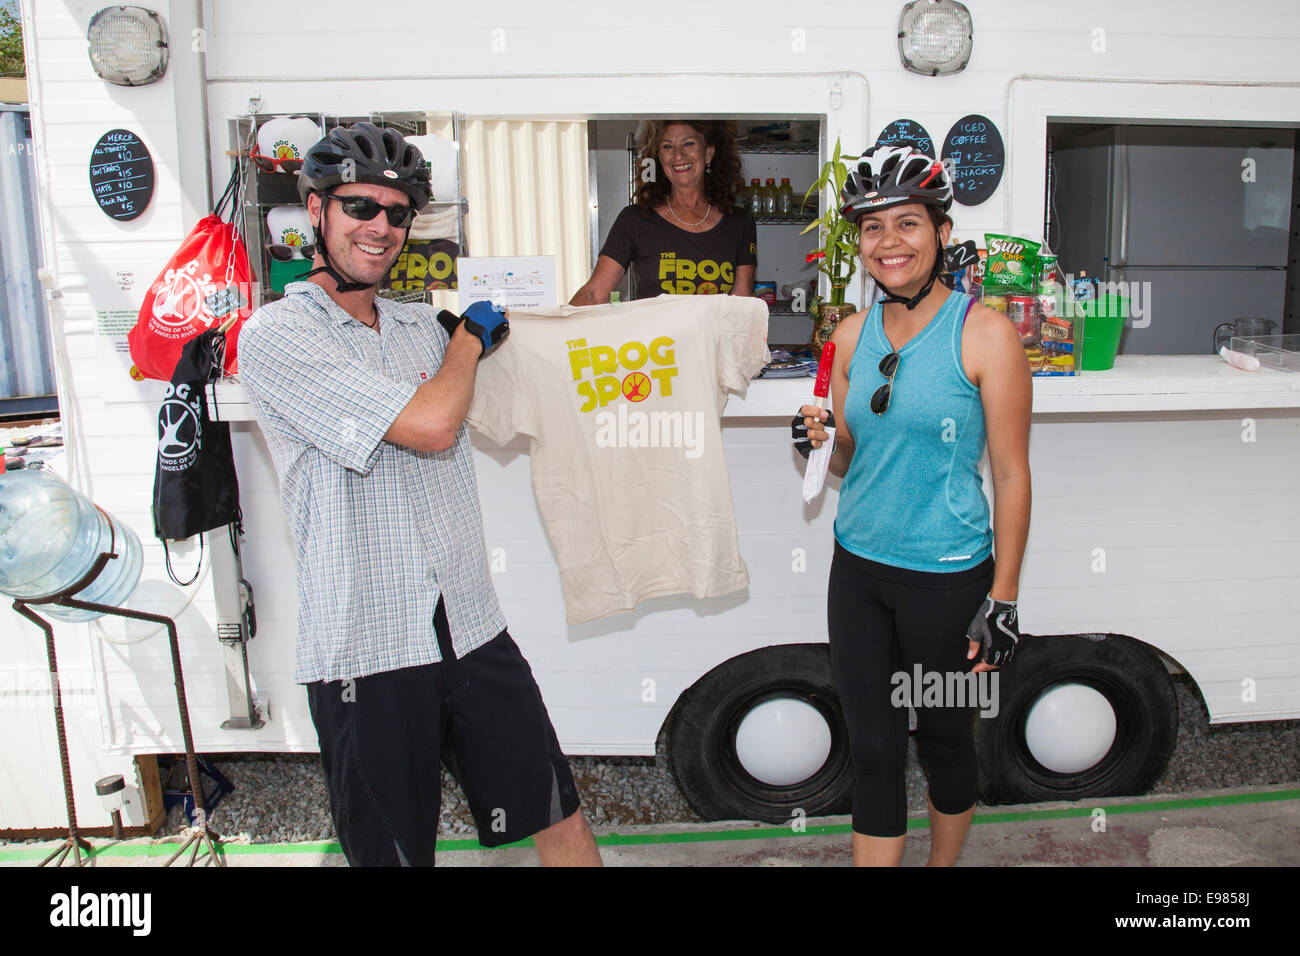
<point>622,403</point>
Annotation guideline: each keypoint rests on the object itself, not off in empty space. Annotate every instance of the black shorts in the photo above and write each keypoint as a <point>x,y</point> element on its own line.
<point>382,738</point>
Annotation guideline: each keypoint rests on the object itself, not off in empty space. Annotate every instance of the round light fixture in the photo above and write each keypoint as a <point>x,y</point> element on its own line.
<point>128,45</point>
<point>935,37</point>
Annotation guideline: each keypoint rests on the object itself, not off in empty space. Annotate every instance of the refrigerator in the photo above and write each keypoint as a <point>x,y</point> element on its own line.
<point>1194,220</point>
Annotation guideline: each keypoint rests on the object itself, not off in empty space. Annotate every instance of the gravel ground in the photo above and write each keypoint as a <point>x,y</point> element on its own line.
<point>283,798</point>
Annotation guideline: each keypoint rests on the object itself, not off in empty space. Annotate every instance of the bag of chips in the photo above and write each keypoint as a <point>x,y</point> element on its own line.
<point>1012,264</point>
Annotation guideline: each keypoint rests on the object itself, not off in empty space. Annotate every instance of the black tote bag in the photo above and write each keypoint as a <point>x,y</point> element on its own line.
<point>195,488</point>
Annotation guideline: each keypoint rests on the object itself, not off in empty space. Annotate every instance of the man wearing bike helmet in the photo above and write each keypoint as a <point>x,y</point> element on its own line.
<point>401,640</point>
<point>922,383</point>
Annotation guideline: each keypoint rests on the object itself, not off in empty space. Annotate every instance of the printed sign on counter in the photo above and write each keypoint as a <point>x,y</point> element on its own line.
<point>908,131</point>
<point>975,147</point>
<point>121,175</point>
<point>517,282</point>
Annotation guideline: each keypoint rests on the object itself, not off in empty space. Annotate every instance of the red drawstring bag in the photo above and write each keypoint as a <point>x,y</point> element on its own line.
<point>206,284</point>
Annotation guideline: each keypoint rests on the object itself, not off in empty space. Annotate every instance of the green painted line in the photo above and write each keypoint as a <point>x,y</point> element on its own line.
<point>716,836</point>
<point>1187,803</point>
<point>698,836</point>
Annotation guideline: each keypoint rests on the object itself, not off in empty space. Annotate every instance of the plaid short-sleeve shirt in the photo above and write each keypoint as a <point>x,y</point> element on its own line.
<point>380,530</point>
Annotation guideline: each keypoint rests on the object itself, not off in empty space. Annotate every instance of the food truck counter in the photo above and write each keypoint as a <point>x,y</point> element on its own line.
<point>1137,383</point>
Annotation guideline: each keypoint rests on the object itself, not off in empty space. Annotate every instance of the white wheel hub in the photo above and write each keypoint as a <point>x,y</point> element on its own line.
<point>783,741</point>
<point>1070,728</point>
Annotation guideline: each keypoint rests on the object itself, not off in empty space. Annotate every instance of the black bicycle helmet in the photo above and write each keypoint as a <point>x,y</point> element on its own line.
<point>892,175</point>
<point>364,153</point>
<point>361,153</point>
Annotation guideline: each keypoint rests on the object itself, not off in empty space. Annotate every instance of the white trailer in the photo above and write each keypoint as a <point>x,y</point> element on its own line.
<point>1165,523</point>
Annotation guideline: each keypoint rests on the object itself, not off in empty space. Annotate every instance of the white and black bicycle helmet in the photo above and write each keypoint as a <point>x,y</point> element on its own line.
<point>891,175</point>
<point>361,153</point>
<point>364,153</point>
<point>887,176</point>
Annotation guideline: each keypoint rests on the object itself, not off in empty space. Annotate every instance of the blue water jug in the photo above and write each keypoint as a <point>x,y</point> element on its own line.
<point>50,536</point>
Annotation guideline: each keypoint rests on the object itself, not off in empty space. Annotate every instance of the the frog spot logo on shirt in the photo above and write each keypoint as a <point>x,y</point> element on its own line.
<point>634,370</point>
<point>636,387</point>
<point>681,276</point>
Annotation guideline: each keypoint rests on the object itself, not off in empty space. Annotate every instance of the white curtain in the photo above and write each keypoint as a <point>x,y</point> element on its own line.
<point>526,182</point>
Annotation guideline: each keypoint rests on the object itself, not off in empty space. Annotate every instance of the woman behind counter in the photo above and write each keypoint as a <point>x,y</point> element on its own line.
<point>684,235</point>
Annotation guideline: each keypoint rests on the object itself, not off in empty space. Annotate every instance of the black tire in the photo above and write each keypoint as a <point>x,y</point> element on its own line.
<point>1134,681</point>
<point>701,737</point>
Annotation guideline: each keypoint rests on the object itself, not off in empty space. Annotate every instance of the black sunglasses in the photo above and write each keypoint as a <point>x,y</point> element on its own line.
<point>365,209</point>
<point>888,368</point>
<point>285,253</point>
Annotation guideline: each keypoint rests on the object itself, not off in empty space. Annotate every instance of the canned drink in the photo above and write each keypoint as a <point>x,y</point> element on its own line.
<point>998,303</point>
<point>1046,303</point>
<point>1020,309</point>
<point>1046,275</point>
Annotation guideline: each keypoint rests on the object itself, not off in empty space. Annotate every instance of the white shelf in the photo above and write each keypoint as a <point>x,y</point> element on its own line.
<point>1137,383</point>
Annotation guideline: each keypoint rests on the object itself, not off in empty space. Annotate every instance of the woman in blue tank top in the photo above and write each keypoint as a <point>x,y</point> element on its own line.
<point>922,383</point>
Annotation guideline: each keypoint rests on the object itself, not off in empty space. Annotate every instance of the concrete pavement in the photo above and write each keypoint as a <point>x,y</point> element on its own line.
<point>1258,826</point>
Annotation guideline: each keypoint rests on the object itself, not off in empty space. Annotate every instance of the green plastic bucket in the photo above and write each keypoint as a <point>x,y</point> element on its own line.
<point>1103,323</point>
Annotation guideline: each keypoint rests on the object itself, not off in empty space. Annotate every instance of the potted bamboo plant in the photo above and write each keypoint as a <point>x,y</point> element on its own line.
<point>837,257</point>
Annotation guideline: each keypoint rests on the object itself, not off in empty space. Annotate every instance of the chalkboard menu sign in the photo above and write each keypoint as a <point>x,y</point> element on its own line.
<point>906,132</point>
<point>975,147</point>
<point>121,174</point>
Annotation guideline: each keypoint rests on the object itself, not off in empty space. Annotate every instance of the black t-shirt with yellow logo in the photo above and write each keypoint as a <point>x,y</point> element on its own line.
<point>666,259</point>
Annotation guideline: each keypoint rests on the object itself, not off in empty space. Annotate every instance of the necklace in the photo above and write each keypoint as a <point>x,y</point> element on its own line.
<point>673,213</point>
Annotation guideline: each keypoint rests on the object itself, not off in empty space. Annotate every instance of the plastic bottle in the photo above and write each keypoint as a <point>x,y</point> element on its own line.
<point>785,198</point>
<point>50,536</point>
<point>754,198</point>
<point>769,198</point>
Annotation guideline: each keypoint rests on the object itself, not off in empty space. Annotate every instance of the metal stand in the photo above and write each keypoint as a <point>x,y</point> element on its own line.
<point>74,844</point>
<point>203,836</point>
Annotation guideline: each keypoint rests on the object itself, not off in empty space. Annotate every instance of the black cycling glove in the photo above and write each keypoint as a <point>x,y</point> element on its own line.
<point>995,629</point>
<point>799,431</point>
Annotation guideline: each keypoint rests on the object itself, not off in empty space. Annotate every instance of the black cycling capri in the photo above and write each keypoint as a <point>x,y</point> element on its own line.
<point>381,738</point>
<point>884,620</point>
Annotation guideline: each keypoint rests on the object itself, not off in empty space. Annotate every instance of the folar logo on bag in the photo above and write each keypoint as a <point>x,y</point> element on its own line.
<point>180,428</point>
<point>180,299</point>
<point>183,300</point>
